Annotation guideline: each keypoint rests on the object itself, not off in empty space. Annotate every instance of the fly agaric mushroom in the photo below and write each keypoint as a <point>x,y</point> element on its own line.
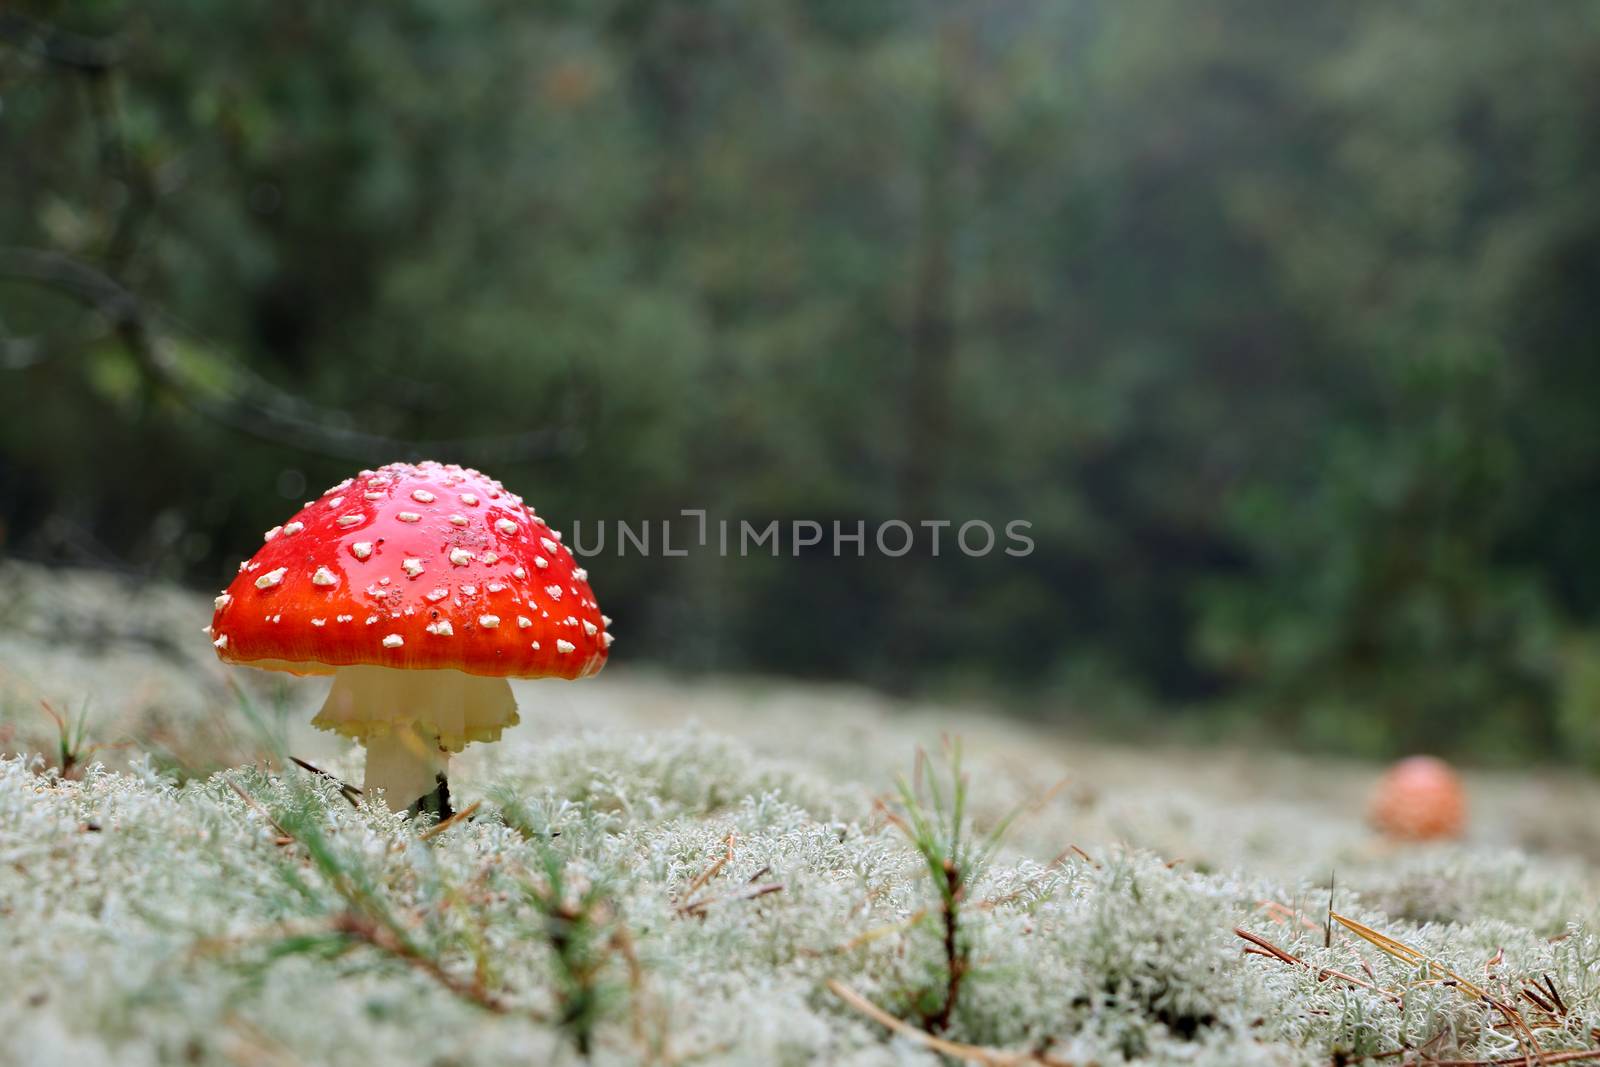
<point>422,589</point>
<point>1419,799</point>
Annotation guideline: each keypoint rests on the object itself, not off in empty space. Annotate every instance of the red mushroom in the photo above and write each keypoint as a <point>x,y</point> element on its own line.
<point>1419,799</point>
<point>422,589</point>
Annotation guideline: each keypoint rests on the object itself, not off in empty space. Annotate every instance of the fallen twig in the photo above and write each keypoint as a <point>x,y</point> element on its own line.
<point>705,876</point>
<point>1573,1056</point>
<point>284,836</point>
<point>990,1057</point>
<point>1269,949</point>
<point>444,824</point>
<point>1417,958</point>
<point>748,892</point>
<point>1263,947</point>
<point>752,888</point>
<point>362,929</point>
<point>1073,850</point>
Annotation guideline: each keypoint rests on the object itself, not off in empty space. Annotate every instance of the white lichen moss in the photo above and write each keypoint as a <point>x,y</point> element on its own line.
<point>157,917</point>
<point>151,915</point>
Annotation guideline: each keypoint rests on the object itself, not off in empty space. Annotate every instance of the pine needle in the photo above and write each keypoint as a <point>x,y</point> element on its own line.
<point>1406,954</point>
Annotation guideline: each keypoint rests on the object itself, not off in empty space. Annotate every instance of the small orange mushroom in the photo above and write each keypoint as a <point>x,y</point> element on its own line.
<point>1419,799</point>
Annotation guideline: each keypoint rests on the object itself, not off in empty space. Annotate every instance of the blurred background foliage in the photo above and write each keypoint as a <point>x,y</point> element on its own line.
<point>1277,322</point>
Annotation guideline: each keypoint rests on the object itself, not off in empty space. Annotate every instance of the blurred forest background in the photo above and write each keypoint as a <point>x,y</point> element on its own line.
<point>1278,322</point>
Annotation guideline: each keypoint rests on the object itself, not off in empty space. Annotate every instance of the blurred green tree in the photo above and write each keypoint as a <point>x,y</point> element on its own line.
<point>1275,325</point>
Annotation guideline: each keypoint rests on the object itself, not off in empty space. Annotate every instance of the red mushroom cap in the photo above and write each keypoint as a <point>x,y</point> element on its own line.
<point>427,566</point>
<point>1419,799</point>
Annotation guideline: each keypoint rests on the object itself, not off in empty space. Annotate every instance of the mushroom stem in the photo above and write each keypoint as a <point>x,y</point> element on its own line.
<point>436,803</point>
<point>402,764</point>
<point>411,721</point>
